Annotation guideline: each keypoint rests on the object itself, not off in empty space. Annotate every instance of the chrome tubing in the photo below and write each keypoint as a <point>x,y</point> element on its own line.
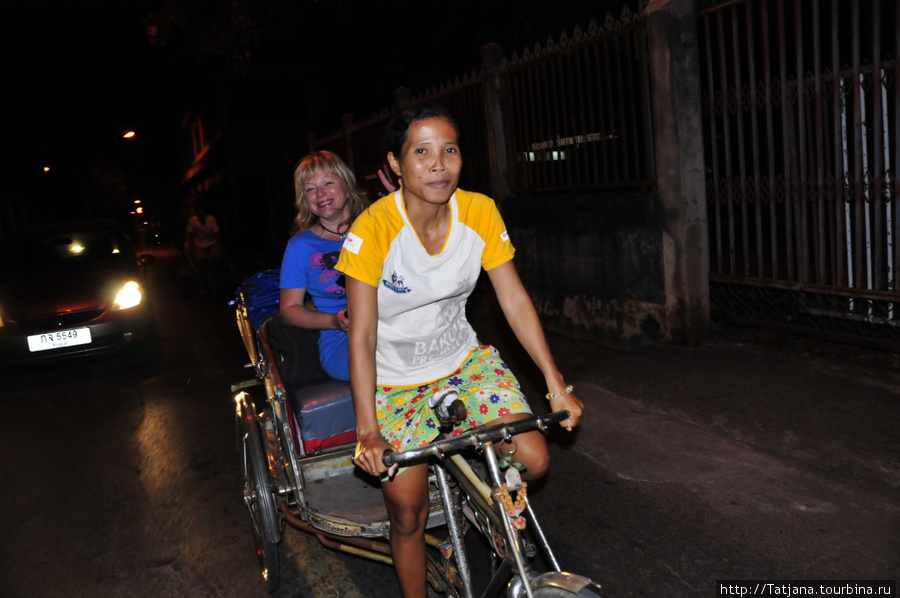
<point>462,560</point>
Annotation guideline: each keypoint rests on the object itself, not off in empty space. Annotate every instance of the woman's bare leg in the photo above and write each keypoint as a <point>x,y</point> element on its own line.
<point>406,498</point>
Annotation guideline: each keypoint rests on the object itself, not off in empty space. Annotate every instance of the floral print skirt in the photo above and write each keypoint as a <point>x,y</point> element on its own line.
<point>483,382</point>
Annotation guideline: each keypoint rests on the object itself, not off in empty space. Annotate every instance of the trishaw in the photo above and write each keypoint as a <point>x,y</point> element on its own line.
<point>297,432</point>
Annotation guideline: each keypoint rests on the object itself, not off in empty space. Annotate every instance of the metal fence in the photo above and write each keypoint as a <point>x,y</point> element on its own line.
<point>578,110</point>
<point>574,112</point>
<point>361,143</point>
<point>801,139</point>
<point>801,143</point>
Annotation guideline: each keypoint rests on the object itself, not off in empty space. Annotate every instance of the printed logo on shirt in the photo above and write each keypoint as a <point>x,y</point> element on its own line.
<point>331,281</point>
<point>449,340</point>
<point>504,236</point>
<point>352,243</point>
<point>396,284</point>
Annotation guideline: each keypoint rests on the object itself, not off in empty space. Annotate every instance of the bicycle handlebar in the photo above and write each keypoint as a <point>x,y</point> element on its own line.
<point>474,438</point>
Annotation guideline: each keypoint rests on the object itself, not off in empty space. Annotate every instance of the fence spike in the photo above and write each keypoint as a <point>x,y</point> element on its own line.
<point>577,35</point>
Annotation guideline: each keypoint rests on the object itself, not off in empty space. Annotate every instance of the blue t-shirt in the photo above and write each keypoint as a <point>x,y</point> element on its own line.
<point>308,263</point>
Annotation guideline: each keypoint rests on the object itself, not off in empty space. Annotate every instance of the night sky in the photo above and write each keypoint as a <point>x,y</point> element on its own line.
<point>77,74</point>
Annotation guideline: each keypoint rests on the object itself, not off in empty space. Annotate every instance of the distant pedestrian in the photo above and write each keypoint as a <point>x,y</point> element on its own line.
<point>203,249</point>
<point>202,241</point>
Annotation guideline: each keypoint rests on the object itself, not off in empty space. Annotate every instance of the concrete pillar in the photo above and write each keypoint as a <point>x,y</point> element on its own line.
<point>678,147</point>
<point>492,57</point>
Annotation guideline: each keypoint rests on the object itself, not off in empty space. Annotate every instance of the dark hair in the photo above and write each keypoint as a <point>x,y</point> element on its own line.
<point>397,130</point>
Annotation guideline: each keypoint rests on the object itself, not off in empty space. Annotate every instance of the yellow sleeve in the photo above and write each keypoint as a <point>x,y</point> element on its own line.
<point>367,243</point>
<point>480,213</point>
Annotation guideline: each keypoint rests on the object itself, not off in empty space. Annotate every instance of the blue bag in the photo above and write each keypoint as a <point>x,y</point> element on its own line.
<point>262,291</point>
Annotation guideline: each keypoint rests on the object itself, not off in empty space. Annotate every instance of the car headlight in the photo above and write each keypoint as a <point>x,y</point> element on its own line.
<point>128,296</point>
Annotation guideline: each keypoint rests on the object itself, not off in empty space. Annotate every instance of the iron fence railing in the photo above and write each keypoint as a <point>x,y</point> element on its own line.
<point>578,111</point>
<point>801,140</point>
<point>574,113</point>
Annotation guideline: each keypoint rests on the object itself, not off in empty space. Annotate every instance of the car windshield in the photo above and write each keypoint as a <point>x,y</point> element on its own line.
<point>38,252</point>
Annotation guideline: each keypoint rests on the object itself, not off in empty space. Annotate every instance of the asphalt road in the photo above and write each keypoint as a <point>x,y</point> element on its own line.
<point>122,482</point>
<point>735,460</point>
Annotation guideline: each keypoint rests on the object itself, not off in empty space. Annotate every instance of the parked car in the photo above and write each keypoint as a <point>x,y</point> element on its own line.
<point>70,291</point>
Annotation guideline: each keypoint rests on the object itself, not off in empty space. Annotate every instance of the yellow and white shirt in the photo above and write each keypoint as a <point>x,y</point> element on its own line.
<point>423,333</point>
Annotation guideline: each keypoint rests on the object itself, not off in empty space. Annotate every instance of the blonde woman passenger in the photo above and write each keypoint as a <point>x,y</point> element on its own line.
<point>328,200</point>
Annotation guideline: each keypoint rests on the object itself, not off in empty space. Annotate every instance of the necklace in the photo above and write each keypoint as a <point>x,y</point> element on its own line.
<point>342,235</point>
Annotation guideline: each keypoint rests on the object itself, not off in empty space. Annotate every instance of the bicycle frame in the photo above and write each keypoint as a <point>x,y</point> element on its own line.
<point>483,509</point>
<point>482,500</point>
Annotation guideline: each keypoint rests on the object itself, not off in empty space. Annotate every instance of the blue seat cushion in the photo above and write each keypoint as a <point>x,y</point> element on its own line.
<point>323,414</point>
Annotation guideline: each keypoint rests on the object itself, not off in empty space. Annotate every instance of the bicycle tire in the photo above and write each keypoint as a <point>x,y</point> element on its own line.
<point>261,504</point>
<point>267,555</point>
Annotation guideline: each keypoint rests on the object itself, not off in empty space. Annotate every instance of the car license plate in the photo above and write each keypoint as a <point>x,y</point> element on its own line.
<point>59,338</point>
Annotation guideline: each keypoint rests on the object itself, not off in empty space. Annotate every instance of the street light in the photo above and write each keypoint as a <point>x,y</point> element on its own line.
<point>128,135</point>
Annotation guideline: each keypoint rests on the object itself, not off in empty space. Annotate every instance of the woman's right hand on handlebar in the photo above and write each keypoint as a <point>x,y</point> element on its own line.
<point>368,455</point>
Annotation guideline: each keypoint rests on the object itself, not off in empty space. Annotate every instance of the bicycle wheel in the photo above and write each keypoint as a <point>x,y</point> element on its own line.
<point>267,555</point>
<point>260,502</point>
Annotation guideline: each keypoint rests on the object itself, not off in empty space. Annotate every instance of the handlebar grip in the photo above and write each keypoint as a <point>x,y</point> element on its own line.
<point>387,457</point>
